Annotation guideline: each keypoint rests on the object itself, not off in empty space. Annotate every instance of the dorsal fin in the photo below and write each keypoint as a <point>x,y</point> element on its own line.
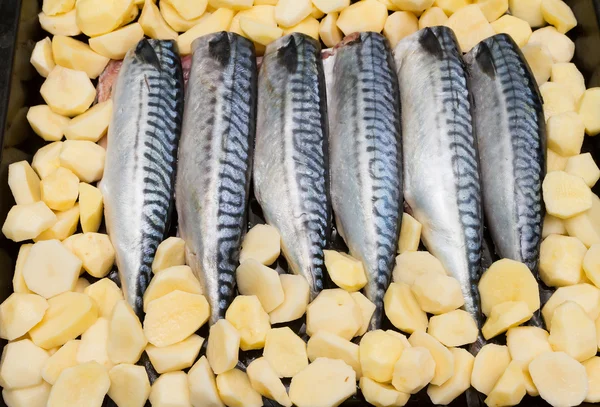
<point>430,43</point>
<point>145,52</point>
<point>219,47</point>
<point>288,54</point>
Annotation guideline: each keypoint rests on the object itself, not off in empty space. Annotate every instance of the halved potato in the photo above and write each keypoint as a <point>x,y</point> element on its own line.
<point>115,44</point>
<point>73,54</point>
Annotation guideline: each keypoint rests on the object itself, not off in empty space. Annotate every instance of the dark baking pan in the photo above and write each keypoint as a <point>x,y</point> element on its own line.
<point>19,88</point>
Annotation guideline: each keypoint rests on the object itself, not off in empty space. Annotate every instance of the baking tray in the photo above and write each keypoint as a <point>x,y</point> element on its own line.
<point>19,88</point>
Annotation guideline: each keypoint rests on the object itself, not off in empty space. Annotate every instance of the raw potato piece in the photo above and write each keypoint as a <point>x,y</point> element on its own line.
<point>444,359</point>
<point>220,20</point>
<point>62,24</point>
<point>328,30</point>
<point>73,54</point>
<point>565,133</point>
<point>21,364</point>
<point>153,23</point>
<point>46,159</point>
<point>331,6</point>
<point>236,391</point>
<point>366,15</point>
<point>170,390</point>
<point>557,99</point>
<point>458,383</point>
<point>60,189</point>
<point>175,357</point>
<point>560,379</point>
<point>97,17</point>
<point>558,14</point>
<point>114,45</point>
<point>68,316</point>
<point>129,385</point>
<point>65,226</point>
<point>126,340</point>
<point>528,10</point>
<point>451,6</point>
<point>540,61</point>
<point>19,285</point>
<point>573,332</point>
<point>565,195</point>
<point>24,183</point>
<point>261,243</point>
<point>525,343</point>
<point>410,265</point>
<point>250,319</point>
<point>64,358</point>
<point>586,295</point>
<point>25,222</point>
<point>84,158</point>
<point>334,311</point>
<point>93,345</point>
<point>345,271</point>
<point>518,29</point>
<point>588,111</point>
<point>414,370</point>
<point>591,264</point>
<point>266,382</point>
<point>567,74</point>
<point>285,351</point>
<point>308,26</point>
<point>455,328</point>
<point>96,252</point>
<point>174,278</point>
<point>203,387</point>
<point>232,4</point>
<point>174,317</point>
<point>223,344</point>
<point>35,396</point>
<point>91,381</point>
<point>296,296</point>
<point>290,12</point>
<point>91,207</point>
<point>584,166</point>
<point>560,46</point>
<point>106,294</point>
<point>403,310</point>
<point>586,226</point>
<point>470,26</point>
<point>258,32</point>
<point>379,352</point>
<point>324,383</point>
<point>175,20</point>
<point>432,17</point>
<point>50,269</point>
<point>81,285</point>
<point>382,395</point>
<point>490,363</point>
<point>327,345</point>
<point>416,6</point>
<point>437,294</point>
<point>505,316</point>
<point>42,58</point>
<point>555,162</point>
<point>367,308</point>
<point>91,125</point>
<point>561,260</point>
<point>264,14</point>
<point>510,388</point>
<point>397,26</point>
<point>410,231</point>
<point>68,92</point>
<point>191,10</point>
<point>171,252</point>
<point>254,278</point>
<point>592,368</point>
<point>508,280</point>
<point>45,123</point>
<point>493,9</point>
<point>19,313</point>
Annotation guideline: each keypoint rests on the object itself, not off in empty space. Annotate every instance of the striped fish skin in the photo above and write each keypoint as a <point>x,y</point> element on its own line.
<point>139,175</point>
<point>365,153</point>
<point>291,177</point>
<point>215,161</point>
<point>441,166</point>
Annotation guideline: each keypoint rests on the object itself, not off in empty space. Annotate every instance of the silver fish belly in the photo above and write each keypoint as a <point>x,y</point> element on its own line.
<point>290,166</point>
<point>441,168</point>
<point>139,175</point>
<point>365,153</point>
<point>215,156</point>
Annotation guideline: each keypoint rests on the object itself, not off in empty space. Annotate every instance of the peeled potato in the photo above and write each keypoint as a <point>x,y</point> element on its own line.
<point>91,207</point>
<point>236,391</point>
<point>327,345</point>
<point>437,294</point>
<point>61,24</point>
<point>592,368</point>
<point>328,30</point>
<point>586,295</point>
<point>105,294</point>
<point>558,14</point>
<point>174,278</point>
<point>451,6</point>
<point>567,74</point>
<point>584,166</point>
<point>54,7</point>
<point>19,285</point>
<point>505,316</point>
<point>587,108</point>
<point>290,12</point>
<point>266,382</point>
<point>334,311</point>
<point>565,133</point>
<point>45,123</point>
<point>528,10</point>
<point>493,9</point>
<point>379,352</point>
<point>470,26</point>
<point>115,44</point>
<point>366,15</point>
<point>91,381</point>
<point>175,357</point>
<point>153,23</point>
<point>367,308</point>
<point>261,243</point>
<point>444,359</point>
<point>73,54</point>
<point>566,195</point>
<point>510,388</point>
<point>217,21</point>
<point>170,389</point>
<point>455,328</point>
<point>285,351</point>
<point>64,358</point>
<point>93,345</point>
<point>403,310</point>
<point>126,340</point>
<point>560,379</point>
<point>410,265</point>
<point>84,158</point>
<point>91,125</point>
<point>19,313</point>
<point>42,58</point>
<point>560,46</point>
<point>191,10</point>
<point>129,385</point>
<point>557,99</point>
<point>525,343</point>
<point>345,271</point>
<point>258,32</point>
<point>331,6</point>
<point>46,159</point>
<point>97,17</point>
<point>540,61</point>
<point>81,285</point>
<point>490,363</point>
<point>21,364</point>
<point>25,222</point>
<point>308,26</point>
<point>397,26</point>
<point>518,29</point>
<point>35,396</point>
<point>65,226</point>
<point>223,344</point>
<point>203,387</point>
<point>573,332</point>
<point>68,92</point>
<point>432,17</point>
<point>251,321</point>
<point>591,264</point>
<point>458,383</point>
<point>410,231</point>
<point>296,296</point>
<point>561,260</point>
<point>586,226</point>
<point>380,394</point>
<point>60,189</point>
<point>96,253</point>
<point>254,278</point>
<point>171,252</point>
<point>325,382</point>
<point>414,370</point>
<point>24,183</point>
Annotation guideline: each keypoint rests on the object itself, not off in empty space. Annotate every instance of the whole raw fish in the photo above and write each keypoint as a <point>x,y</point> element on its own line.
<point>290,168</point>
<point>215,157</point>
<point>139,175</point>
<point>365,153</point>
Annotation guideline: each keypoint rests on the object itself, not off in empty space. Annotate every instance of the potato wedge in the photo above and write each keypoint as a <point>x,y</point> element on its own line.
<point>129,385</point>
<point>61,24</point>
<point>68,92</point>
<point>25,222</point>
<point>325,382</point>
<point>175,357</point>
<point>285,351</point>
<point>174,278</point>
<point>45,123</point>
<point>97,17</point>
<point>64,358</point>
<point>296,294</point>
<point>115,44</point>
<point>458,383</point>
<point>247,315</point>
<point>73,54</point>
<point>170,389</point>
<point>126,340</point>
<point>334,311</point>
<point>19,313</point>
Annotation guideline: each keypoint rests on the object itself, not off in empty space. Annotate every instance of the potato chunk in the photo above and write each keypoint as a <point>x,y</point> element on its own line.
<point>19,285</point>
<point>153,23</point>
<point>68,92</point>
<point>254,278</point>
<point>410,265</point>
<point>222,348</point>
<point>455,328</point>
<point>588,108</point>
<point>334,311</point>
<point>24,183</point>
<point>560,46</point>
<point>114,45</point>
<point>323,383</point>
<point>106,294</point>
<point>327,345</point>
<point>25,222</point>
<point>451,6</point>
<point>505,316</point>
<point>583,166</point>
<point>528,10</point>
<point>170,390</point>
<point>84,158</point>
<point>470,26</point>
<point>129,385</point>
<point>510,388</point>
<point>414,370</point>
<point>567,74</point>
<point>565,133</point>
<point>410,234</point>
<point>493,9</point>
<point>65,226</point>
<point>174,317</point>
<point>382,395</point>
<point>432,17</point>
<point>91,381</point>
<point>540,61</point>
<point>379,352</point>
<point>557,99</point>
<point>170,253</point>
<point>525,343</point>
<point>328,30</point>
<point>290,12</point>
<point>261,243</point>
<point>96,17</point>
<point>285,351</point>
<point>73,54</point>
<point>19,313</point>
<point>251,321</point>
<point>518,29</point>
<point>308,26</point>
<point>46,159</point>
<point>126,340</point>
<point>91,207</point>
<point>397,26</point>
<point>203,387</point>
<point>437,294</point>
<point>566,195</point>
<point>367,308</point>
<point>366,15</point>
<point>345,271</point>
<point>42,58</point>
<point>508,280</point>
<point>558,14</point>
<point>444,360</point>
<point>403,310</point>
<point>61,24</point>
<point>64,358</point>
<point>93,345</point>
<point>560,379</point>
<point>174,278</point>
<point>592,368</point>
<point>45,123</point>
<point>265,381</point>
<point>217,21</point>
<point>586,295</point>
<point>586,226</point>
<point>96,252</point>
<point>236,391</point>
<point>60,189</point>
<point>489,365</point>
<point>91,125</point>
<point>458,383</point>
<point>591,264</point>
<point>573,332</point>
<point>561,260</point>
<point>296,296</point>
<point>175,357</point>
<point>35,396</point>
<point>21,364</point>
